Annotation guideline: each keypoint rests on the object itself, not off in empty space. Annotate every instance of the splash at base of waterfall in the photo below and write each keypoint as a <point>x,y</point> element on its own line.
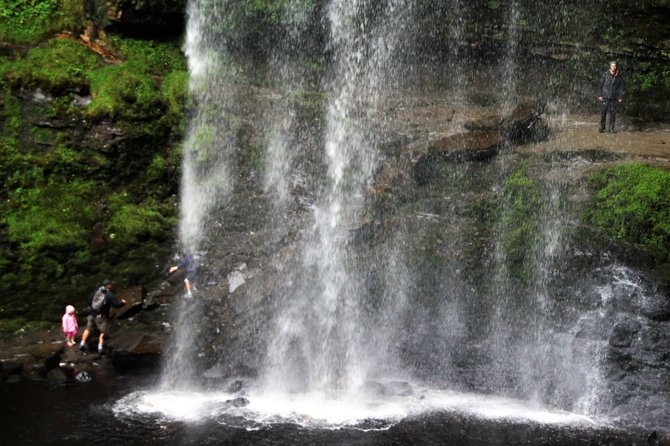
<point>364,412</point>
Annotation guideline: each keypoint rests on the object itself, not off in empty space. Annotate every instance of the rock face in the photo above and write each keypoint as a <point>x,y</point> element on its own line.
<point>623,333</point>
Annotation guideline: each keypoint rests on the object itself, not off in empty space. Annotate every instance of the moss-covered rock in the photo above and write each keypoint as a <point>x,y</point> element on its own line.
<point>632,203</point>
<point>28,21</point>
<point>89,163</point>
<point>58,66</point>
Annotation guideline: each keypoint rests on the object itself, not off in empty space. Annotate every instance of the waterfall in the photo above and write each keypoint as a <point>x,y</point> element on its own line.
<point>367,304</point>
<point>319,341</point>
<point>208,152</point>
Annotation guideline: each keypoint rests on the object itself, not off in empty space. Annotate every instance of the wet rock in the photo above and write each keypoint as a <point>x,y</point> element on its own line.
<point>376,389</point>
<point>484,123</point>
<point>81,101</point>
<point>103,136</point>
<point>135,349</point>
<point>134,297</point>
<point>83,377</point>
<point>623,333</point>
<point>473,146</point>
<point>524,125</point>
<point>47,355</point>
<point>235,280</point>
<point>236,386</point>
<point>13,379</point>
<point>401,388</point>
<point>237,402</point>
<point>71,354</point>
<point>150,304</point>
<point>463,147</point>
<point>163,295</point>
<point>41,97</point>
<point>57,377</point>
<point>10,367</point>
<point>655,307</point>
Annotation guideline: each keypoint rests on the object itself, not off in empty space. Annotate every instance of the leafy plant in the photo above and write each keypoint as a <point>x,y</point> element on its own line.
<point>647,76</point>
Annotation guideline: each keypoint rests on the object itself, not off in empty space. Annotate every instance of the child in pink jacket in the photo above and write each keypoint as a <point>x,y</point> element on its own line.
<point>70,325</point>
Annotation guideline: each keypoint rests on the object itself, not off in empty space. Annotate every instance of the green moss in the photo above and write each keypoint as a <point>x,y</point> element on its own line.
<point>632,203</point>
<point>13,325</point>
<point>135,223</point>
<point>148,56</point>
<point>175,92</point>
<point>23,21</point>
<point>55,216</point>
<point>58,66</point>
<point>118,90</point>
<point>20,325</point>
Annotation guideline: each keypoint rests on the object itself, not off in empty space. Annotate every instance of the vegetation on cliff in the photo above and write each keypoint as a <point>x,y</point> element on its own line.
<point>632,203</point>
<point>89,156</point>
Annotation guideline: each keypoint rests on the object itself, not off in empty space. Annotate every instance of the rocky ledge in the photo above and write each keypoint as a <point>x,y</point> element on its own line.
<point>137,337</point>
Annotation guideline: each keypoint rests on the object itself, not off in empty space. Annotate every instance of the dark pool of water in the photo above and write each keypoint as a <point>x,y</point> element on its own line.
<point>38,413</point>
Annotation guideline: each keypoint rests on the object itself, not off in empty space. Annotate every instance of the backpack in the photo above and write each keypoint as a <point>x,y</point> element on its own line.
<point>98,300</point>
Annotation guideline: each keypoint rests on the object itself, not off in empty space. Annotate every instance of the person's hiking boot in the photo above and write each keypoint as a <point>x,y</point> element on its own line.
<point>82,347</point>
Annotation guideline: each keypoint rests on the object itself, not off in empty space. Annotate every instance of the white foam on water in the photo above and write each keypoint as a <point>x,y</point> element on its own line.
<point>335,412</point>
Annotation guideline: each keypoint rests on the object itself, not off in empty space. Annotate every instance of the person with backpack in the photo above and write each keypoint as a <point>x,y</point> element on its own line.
<point>101,302</point>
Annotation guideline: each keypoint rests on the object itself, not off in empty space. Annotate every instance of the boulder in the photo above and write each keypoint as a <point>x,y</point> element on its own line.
<point>14,379</point>
<point>473,146</point>
<point>655,307</point>
<point>623,333</point>
<point>237,402</point>
<point>487,137</point>
<point>163,295</point>
<point>235,280</point>
<point>400,388</point>
<point>71,354</point>
<point>135,349</point>
<point>10,367</point>
<point>462,147</point>
<point>524,125</point>
<point>376,389</point>
<point>57,377</point>
<point>46,355</point>
<point>134,297</point>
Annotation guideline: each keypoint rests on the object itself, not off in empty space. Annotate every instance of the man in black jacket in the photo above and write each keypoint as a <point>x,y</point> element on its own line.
<point>101,302</point>
<point>611,92</point>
